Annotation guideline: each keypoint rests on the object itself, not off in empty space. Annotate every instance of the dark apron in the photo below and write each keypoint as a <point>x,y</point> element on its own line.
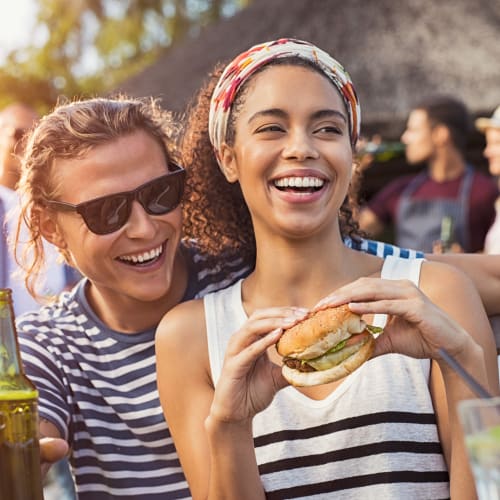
<point>418,222</point>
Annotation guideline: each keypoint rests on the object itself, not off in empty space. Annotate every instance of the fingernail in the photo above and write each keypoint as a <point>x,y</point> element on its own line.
<point>332,299</point>
<point>300,311</point>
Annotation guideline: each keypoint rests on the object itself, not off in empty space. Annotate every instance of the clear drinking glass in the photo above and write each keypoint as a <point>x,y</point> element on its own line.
<point>480,419</point>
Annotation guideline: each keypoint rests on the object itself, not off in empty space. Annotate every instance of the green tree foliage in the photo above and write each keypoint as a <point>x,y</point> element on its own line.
<point>87,47</point>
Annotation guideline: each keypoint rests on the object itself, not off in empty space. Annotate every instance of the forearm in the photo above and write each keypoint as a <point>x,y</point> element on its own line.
<point>461,479</point>
<point>233,466</point>
<point>483,270</point>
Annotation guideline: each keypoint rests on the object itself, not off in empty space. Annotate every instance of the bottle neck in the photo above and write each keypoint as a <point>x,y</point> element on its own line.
<point>10,359</point>
<point>447,233</point>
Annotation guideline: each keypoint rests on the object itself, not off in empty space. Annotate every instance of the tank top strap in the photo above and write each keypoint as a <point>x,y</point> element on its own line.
<point>223,310</point>
<point>396,268</point>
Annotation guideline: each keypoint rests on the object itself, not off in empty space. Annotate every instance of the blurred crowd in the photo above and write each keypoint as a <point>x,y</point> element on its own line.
<point>449,206</point>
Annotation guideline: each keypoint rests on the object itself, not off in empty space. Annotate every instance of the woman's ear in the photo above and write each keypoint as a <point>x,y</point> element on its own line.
<point>228,163</point>
<point>50,230</point>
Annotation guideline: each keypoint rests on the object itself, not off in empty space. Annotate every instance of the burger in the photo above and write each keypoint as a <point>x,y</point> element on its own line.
<point>326,345</point>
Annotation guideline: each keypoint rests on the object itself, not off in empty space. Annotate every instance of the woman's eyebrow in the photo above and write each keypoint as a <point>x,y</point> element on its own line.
<point>274,112</point>
<point>279,113</point>
<point>329,113</point>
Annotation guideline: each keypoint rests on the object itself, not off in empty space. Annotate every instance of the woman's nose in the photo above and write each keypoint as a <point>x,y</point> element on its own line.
<point>300,146</point>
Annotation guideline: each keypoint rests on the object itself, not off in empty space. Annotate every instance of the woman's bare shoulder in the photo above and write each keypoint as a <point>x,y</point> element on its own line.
<point>440,280</point>
<point>182,325</point>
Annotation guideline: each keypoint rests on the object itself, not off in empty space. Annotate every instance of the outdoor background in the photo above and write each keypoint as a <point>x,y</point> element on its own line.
<point>396,52</point>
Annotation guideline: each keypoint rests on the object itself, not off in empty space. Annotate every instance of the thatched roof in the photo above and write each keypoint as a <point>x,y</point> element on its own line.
<point>396,52</point>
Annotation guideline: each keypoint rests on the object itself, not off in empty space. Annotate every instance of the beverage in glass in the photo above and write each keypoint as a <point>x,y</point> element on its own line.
<point>480,419</point>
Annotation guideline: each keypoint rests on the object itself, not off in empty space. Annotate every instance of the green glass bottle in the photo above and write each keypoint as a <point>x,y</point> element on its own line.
<point>447,233</point>
<point>383,151</point>
<point>20,475</point>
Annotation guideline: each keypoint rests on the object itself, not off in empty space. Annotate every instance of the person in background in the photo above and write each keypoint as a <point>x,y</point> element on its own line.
<point>15,121</point>
<point>490,127</point>
<point>283,120</point>
<point>447,190</point>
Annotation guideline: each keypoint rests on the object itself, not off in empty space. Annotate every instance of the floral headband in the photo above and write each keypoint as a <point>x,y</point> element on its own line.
<point>245,64</point>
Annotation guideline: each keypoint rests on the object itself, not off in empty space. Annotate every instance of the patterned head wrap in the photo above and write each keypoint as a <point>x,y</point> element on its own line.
<point>245,64</point>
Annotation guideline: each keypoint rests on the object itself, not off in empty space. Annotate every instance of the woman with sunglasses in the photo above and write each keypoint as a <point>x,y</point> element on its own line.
<point>100,183</point>
<point>283,119</point>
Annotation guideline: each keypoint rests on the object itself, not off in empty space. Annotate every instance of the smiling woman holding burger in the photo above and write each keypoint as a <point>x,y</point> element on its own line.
<point>283,119</point>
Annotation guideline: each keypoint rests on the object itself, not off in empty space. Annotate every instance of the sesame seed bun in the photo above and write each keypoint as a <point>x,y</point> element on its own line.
<point>318,332</point>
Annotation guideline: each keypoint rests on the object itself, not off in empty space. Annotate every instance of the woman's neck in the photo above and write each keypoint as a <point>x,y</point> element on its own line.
<point>301,273</point>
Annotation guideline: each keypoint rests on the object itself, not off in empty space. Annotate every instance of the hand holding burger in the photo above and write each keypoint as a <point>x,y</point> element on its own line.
<point>327,345</point>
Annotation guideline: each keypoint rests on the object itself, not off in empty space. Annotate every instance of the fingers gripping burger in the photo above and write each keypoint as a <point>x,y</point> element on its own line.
<point>325,346</point>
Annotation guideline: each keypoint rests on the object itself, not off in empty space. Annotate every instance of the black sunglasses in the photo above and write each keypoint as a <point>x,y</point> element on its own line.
<point>109,213</point>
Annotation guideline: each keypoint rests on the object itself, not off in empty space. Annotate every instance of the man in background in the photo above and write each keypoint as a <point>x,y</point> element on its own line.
<point>447,190</point>
<point>15,120</point>
<point>490,127</point>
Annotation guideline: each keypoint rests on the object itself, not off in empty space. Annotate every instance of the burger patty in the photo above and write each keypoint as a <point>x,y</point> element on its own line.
<point>297,364</point>
<point>333,357</point>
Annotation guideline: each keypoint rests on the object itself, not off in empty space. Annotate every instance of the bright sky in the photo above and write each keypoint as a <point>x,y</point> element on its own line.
<point>16,23</point>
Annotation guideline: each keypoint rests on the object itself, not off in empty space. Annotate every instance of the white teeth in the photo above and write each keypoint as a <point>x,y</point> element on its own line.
<point>152,254</point>
<point>306,182</point>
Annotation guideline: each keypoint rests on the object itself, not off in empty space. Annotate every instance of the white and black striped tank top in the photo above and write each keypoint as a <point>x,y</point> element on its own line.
<point>374,437</point>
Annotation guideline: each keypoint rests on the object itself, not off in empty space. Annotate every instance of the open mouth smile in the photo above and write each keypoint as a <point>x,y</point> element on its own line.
<point>307,184</point>
<point>144,258</point>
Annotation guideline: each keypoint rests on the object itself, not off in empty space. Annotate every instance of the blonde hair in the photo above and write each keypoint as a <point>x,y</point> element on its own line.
<point>71,131</point>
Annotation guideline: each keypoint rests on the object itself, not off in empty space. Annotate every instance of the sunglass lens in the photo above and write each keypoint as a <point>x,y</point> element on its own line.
<point>162,196</point>
<point>107,214</point>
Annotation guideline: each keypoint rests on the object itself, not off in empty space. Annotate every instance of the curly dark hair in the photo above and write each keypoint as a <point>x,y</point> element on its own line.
<point>215,212</point>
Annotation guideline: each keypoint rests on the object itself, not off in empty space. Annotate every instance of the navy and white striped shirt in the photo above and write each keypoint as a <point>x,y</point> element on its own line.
<point>98,386</point>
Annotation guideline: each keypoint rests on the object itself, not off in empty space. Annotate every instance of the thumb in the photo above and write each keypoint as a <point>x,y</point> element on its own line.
<point>280,382</point>
<point>53,449</point>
